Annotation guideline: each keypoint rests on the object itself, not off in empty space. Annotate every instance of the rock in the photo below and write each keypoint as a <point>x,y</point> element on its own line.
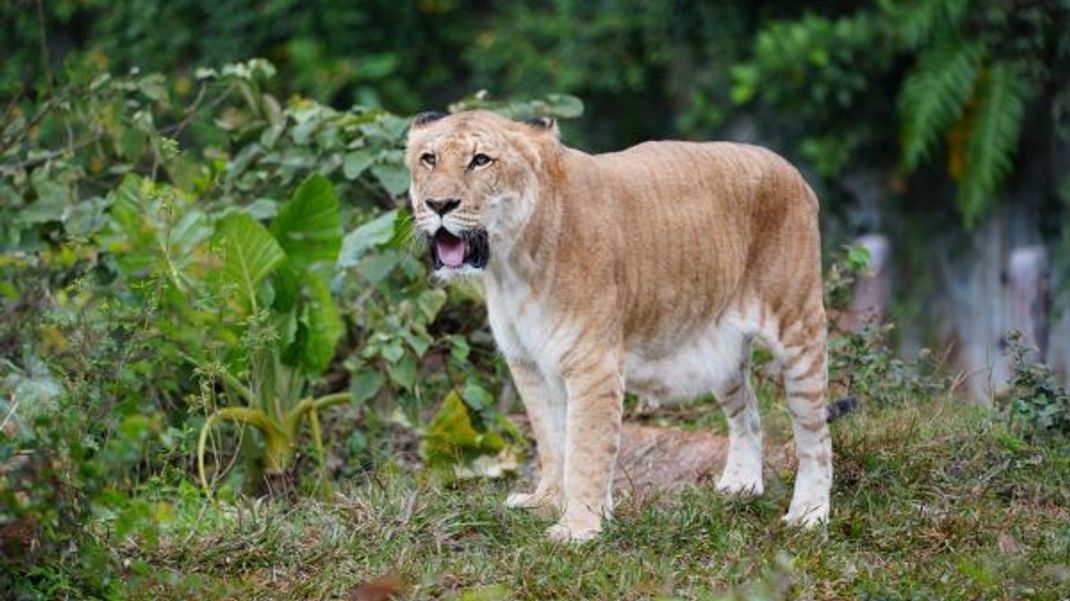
<point>664,459</point>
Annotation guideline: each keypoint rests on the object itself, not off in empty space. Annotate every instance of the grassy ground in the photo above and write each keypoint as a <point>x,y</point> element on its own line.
<point>935,501</point>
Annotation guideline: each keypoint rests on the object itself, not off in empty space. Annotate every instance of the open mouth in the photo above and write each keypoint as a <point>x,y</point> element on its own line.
<point>452,252</point>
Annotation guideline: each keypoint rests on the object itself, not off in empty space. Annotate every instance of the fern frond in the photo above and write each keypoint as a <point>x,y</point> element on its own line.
<point>934,95</point>
<point>992,140</point>
<point>920,21</point>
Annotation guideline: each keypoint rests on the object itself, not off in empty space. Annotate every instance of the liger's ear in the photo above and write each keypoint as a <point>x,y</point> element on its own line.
<point>548,124</point>
<point>425,118</point>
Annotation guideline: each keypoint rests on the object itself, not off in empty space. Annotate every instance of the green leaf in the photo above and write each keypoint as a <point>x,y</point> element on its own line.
<point>430,303</point>
<point>324,325</point>
<point>309,227</point>
<point>373,233</point>
<point>356,163</point>
<point>53,192</point>
<point>377,267</point>
<point>262,208</point>
<point>459,349</point>
<point>403,373</point>
<point>285,324</point>
<point>287,282</point>
<point>919,22</point>
<point>419,342</point>
<point>393,177</point>
<point>744,83</point>
<point>404,230</point>
<point>565,106</point>
<point>934,95</point>
<point>475,396</point>
<point>366,384</point>
<point>250,252</point>
<point>992,140</point>
<point>393,351</point>
<point>451,438</point>
<point>858,257</point>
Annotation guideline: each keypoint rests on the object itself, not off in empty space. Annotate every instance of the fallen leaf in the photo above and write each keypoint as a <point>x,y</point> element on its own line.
<point>388,586</point>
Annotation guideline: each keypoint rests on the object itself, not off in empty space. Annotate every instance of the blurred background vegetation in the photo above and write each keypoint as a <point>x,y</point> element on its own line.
<point>159,158</point>
<point>926,121</point>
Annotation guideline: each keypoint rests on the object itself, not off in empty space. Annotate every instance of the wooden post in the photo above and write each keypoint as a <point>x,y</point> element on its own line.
<point>1057,354</point>
<point>1027,277</point>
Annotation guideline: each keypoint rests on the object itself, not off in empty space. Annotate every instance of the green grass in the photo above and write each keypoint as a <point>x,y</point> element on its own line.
<point>934,501</point>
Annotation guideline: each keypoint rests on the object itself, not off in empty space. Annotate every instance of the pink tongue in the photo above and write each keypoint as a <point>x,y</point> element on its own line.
<point>450,250</point>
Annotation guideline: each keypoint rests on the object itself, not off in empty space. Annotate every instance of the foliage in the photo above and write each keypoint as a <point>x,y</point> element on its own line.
<point>975,67</point>
<point>1036,404</point>
<point>155,284</point>
<point>971,84</point>
<point>81,417</point>
<point>842,272</point>
<point>334,51</point>
<point>183,246</point>
<point>862,363</point>
<point>288,343</point>
<point>824,79</point>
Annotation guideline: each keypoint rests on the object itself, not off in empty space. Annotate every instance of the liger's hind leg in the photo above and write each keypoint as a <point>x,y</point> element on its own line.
<point>743,469</point>
<point>804,357</point>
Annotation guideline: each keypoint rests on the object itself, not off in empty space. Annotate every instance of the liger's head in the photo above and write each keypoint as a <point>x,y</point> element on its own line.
<point>474,176</point>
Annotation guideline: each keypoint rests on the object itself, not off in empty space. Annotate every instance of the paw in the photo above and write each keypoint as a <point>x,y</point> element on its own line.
<point>807,515</point>
<point>563,533</point>
<point>576,526</point>
<point>522,500</point>
<point>536,500</point>
<point>736,483</point>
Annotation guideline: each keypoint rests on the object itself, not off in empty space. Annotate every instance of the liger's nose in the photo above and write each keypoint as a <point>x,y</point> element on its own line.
<point>442,206</point>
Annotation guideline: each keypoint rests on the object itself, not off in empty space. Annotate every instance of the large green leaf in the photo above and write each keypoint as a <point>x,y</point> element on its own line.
<point>934,95</point>
<point>309,227</point>
<point>451,438</point>
<point>918,21</point>
<point>287,282</point>
<point>250,252</point>
<point>324,325</point>
<point>992,141</point>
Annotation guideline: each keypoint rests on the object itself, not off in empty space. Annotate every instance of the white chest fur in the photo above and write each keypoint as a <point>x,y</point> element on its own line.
<point>525,329</point>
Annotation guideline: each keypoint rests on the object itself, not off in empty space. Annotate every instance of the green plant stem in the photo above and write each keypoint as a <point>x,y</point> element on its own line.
<point>279,443</point>
<point>317,439</point>
<point>279,438</point>
<point>330,400</point>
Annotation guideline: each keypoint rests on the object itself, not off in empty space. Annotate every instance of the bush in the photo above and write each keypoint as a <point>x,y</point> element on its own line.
<point>155,282</point>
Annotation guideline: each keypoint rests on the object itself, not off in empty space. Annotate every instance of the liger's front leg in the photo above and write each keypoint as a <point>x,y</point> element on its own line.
<point>545,407</point>
<point>595,403</point>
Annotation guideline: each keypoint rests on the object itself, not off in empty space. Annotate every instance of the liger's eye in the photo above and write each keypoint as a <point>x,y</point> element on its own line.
<point>428,159</point>
<point>479,160</point>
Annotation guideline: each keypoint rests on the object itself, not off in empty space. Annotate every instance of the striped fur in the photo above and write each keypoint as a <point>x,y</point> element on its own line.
<point>653,270</point>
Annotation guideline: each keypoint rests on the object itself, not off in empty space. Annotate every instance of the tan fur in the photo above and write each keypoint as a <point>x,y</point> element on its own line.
<point>653,268</point>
